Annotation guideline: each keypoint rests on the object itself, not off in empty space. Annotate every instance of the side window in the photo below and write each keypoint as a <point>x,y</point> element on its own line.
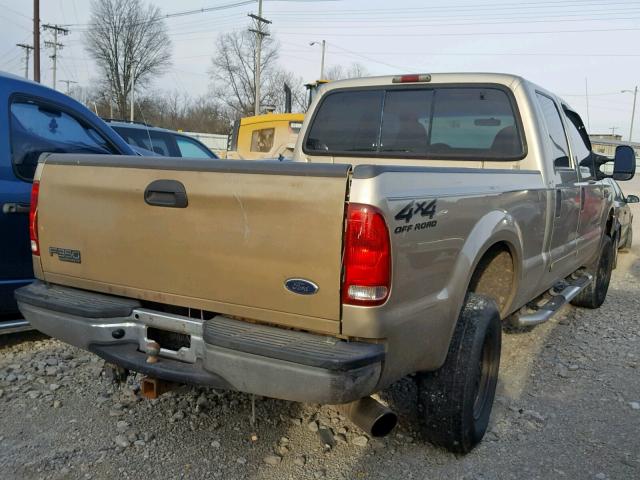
<point>262,140</point>
<point>618,191</point>
<point>148,139</point>
<point>347,121</point>
<point>557,137</point>
<point>38,128</point>
<point>190,148</point>
<point>405,121</point>
<point>580,150</point>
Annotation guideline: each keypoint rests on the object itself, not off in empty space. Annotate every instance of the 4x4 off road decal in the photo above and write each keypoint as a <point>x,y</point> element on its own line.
<point>416,209</point>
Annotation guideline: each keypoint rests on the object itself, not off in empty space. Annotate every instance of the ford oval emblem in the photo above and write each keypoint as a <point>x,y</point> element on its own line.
<point>301,286</point>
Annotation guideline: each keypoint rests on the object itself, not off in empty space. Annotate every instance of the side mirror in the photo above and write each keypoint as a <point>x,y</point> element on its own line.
<point>624,163</point>
<point>632,199</point>
<point>562,162</point>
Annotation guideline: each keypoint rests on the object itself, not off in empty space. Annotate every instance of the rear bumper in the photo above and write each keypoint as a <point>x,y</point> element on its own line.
<point>14,326</point>
<point>223,352</point>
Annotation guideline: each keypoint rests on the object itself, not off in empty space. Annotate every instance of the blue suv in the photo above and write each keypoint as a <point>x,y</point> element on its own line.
<point>40,120</point>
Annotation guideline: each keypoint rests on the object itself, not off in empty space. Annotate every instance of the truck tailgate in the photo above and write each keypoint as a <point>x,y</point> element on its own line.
<point>248,227</point>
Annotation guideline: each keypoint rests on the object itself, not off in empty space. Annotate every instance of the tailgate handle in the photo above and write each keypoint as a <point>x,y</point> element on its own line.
<point>166,193</point>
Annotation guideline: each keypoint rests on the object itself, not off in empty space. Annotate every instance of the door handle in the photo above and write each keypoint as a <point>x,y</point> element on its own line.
<point>166,193</point>
<point>15,208</point>
<point>558,202</point>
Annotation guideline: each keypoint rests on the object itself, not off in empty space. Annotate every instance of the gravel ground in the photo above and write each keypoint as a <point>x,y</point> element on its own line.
<point>568,406</point>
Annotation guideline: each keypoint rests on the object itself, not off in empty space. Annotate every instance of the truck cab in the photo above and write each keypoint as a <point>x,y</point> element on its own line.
<point>40,120</point>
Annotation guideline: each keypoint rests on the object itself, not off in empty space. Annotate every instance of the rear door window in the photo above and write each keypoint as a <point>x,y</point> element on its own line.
<point>456,123</point>
<point>555,129</point>
<point>37,128</point>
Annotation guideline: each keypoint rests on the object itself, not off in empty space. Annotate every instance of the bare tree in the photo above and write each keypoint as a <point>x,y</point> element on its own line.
<point>130,45</point>
<point>339,72</point>
<point>275,95</point>
<point>233,73</point>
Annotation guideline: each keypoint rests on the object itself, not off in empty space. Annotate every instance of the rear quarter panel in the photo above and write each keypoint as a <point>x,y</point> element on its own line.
<point>434,258</point>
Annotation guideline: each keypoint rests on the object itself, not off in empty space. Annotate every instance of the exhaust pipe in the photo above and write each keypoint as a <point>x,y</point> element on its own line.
<point>370,416</point>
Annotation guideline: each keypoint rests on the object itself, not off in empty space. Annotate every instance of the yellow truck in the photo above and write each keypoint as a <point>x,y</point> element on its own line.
<point>272,135</point>
<point>269,136</point>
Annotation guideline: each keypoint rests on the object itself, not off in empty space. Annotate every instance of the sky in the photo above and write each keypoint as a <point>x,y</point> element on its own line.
<point>567,46</point>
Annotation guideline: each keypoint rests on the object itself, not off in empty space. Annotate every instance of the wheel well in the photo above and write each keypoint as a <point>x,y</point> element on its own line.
<point>494,276</point>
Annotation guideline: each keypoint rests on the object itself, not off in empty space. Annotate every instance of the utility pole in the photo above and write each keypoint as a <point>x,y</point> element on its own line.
<point>324,46</point>
<point>36,40</point>
<point>586,94</point>
<point>68,82</point>
<point>56,29</point>
<point>633,110</point>
<point>260,34</point>
<point>133,86</point>
<point>27,51</point>
<point>613,131</point>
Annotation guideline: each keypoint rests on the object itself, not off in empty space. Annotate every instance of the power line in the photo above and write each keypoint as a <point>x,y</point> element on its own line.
<point>455,34</point>
<point>7,7</point>
<point>476,8</point>
<point>438,20</point>
<point>179,14</point>
<point>68,82</point>
<point>510,22</point>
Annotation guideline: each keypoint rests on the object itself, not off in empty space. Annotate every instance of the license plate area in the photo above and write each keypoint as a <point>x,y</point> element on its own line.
<point>167,340</point>
<point>179,337</point>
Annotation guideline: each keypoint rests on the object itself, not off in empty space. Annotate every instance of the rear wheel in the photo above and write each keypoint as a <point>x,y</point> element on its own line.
<point>594,294</point>
<point>456,401</point>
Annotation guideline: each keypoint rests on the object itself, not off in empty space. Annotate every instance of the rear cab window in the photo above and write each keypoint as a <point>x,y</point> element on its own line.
<point>38,127</point>
<point>466,122</point>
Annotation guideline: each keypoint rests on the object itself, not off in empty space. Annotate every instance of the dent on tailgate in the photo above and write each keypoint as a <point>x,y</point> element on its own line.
<point>244,233</point>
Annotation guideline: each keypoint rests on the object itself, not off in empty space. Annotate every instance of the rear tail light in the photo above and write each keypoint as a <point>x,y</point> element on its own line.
<point>33,218</point>
<point>367,257</point>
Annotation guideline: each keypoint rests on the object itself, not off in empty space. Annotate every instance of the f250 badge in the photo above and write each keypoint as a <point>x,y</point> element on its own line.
<point>416,209</point>
<point>66,254</point>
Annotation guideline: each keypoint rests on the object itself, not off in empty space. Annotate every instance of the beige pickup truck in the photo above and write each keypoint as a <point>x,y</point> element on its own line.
<point>421,213</point>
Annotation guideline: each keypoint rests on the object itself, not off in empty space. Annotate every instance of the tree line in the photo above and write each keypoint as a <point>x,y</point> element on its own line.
<point>129,42</point>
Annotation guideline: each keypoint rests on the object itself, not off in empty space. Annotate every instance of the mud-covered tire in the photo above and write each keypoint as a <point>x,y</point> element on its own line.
<point>628,241</point>
<point>595,293</point>
<point>455,401</point>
